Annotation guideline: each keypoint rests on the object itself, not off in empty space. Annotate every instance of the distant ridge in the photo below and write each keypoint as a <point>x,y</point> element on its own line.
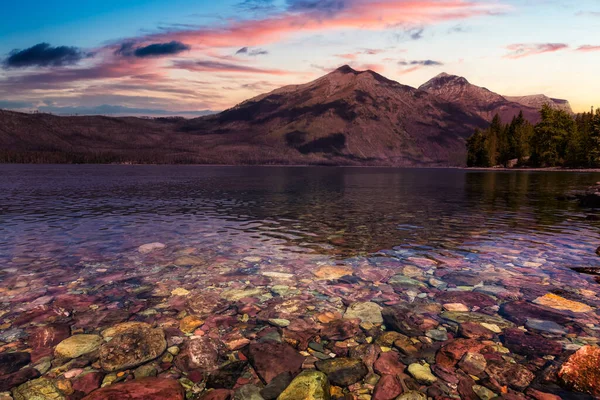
<point>346,117</point>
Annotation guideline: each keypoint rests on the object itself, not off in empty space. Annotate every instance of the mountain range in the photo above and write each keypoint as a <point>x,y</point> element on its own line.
<point>346,117</point>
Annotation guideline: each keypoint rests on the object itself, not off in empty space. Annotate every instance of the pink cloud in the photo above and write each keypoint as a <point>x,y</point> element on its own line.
<point>371,15</point>
<point>588,48</point>
<point>521,50</point>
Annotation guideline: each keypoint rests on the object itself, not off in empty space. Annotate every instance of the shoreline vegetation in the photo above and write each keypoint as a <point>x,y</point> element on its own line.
<point>559,140</point>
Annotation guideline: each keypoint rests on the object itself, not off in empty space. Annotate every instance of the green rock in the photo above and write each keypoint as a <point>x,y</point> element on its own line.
<point>404,281</point>
<point>37,389</point>
<point>422,373</point>
<point>309,385</point>
<point>247,392</point>
<point>483,393</point>
<point>366,312</point>
<point>280,322</point>
<point>412,395</point>
<point>461,317</point>
<point>343,371</point>
<point>144,371</point>
<point>78,345</point>
<point>238,294</point>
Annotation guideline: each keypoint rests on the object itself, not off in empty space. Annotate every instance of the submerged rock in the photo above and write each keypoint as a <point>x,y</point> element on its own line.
<point>78,345</point>
<point>270,359</point>
<point>560,303</point>
<point>366,312</point>
<point>422,373</point>
<point>198,354</point>
<point>140,389</point>
<point>516,376</point>
<point>530,344</point>
<point>41,388</point>
<point>12,362</point>
<point>132,345</point>
<point>343,371</point>
<point>581,372</point>
<point>309,385</point>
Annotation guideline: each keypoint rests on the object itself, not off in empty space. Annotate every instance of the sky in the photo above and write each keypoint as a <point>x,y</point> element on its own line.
<point>185,57</point>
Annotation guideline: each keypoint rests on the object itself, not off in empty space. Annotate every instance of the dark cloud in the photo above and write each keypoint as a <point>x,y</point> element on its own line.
<point>424,63</point>
<point>44,55</point>
<point>327,6</point>
<point>416,34</point>
<point>257,5</point>
<point>255,52</point>
<point>152,50</point>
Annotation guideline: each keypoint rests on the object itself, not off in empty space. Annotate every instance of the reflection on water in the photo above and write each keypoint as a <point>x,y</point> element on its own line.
<point>102,211</point>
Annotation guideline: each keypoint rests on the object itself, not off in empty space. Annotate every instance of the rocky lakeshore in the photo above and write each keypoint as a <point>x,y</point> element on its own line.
<point>179,323</point>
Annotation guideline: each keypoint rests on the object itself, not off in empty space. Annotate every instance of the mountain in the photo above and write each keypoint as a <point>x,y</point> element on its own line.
<point>482,101</point>
<point>352,117</point>
<point>538,100</point>
<point>346,117</point>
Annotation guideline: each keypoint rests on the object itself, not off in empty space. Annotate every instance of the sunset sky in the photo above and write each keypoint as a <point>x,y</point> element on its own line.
<point>182,56</point>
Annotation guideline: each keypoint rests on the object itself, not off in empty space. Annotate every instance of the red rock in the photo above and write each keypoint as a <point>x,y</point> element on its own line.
<point>389,364</point>
<point>270,359</point>
<point>217,394</point>
<point>140,389</point>
<point>387,388</point>
<point>200,353</point>
<point>10,381</point>
<point>508,374</point>
<point>581,372</point>
<point>465,387</point>
<point>470,299</point>
<point>12,362</point>
<point>42,339</point>
<point>368,353</point>
<point>341,329</point>
<point>473,330</point>
<point>88,382</point>
<point>520,311</point>
<point>537,395</point>
<point>402,319</point>
<point>530,344</point>
<point>450,354</point>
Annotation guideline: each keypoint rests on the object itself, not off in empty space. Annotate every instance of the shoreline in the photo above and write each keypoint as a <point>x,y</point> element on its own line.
<point>474,169</point>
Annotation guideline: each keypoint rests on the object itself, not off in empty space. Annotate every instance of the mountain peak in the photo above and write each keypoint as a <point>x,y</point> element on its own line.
<point>444,79</point>
<point>346,69</point>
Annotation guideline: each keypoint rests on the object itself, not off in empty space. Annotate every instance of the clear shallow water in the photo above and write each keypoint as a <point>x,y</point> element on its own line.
<point>101,211</point>
<point>69,239</point>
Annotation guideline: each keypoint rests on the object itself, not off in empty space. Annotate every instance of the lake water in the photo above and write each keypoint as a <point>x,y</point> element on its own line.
<point>292,243</point>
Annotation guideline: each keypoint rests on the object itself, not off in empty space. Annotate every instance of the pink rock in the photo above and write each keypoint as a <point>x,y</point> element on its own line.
<point>140,389</point>
<point>73,373</point>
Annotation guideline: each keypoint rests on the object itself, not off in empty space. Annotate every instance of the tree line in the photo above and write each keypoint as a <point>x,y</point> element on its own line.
<point>558,140</point>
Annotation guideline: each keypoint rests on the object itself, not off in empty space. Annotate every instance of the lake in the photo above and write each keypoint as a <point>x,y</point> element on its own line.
<point>235,254</point>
